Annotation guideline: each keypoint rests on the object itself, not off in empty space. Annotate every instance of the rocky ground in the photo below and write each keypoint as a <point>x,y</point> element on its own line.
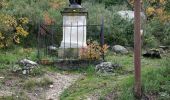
<point>60,83</point>
<point>52,92</point>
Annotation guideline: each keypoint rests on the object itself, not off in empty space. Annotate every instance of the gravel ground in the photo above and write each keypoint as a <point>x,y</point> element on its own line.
<point>60,83</point>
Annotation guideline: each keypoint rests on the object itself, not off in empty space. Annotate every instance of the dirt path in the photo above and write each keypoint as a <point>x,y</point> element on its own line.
<point>60,83</point>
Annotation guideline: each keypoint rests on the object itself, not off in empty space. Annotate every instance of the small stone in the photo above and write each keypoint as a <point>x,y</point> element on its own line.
<point>2,77</point>
<point>52,48</point>
<point>51,86</point>
<point>24,72</point>
<point>16,68</point>
<point>36,94</point>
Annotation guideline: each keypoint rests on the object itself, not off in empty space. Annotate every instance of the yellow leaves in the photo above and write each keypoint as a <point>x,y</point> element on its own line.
<point>159,12</point>
<point>3,4</point>
<point>1,45</point>
<point>24,20</point>
<point>1,36</point>
<point>8,25</point>
<point>21,31</point>
<point>7,20</point>
<point>165,18</point>
<point>150,11</point>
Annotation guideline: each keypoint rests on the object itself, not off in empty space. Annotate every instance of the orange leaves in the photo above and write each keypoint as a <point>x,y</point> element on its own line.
<point>47,19</point>
<point>93,51</point>
<point>159,11</point>
<point>162,1</point>
<point>104,48</point>
<point>56,4</point>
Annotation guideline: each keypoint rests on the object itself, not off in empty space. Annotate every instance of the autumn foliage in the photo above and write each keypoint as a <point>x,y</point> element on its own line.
<point>93,51</point>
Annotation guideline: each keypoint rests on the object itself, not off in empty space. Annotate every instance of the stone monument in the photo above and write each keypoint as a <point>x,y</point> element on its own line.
<point>74,30</point>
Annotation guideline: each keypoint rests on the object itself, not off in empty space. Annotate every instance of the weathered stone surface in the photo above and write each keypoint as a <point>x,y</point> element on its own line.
<point>119,49</point>
<point>16,68</point>
<point>74,32</point>
<point>129,15</point>
<point>27,66</point>
<point>153,53</point>
<point>106,67</point>
<point>27,62</point>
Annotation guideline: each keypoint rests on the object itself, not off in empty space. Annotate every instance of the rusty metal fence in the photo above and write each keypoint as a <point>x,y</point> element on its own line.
<point>50,37</point>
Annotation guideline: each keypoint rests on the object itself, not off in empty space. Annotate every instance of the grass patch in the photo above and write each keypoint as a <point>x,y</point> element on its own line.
<point>155,82</point>
<point>89,85</point>
<point>37,71</point>
<point>155,79</point>
<point>19,95</point>
<point>45,82</point>
<point>31,84</point>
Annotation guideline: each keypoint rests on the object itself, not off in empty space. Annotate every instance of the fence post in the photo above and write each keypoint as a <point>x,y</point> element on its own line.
<point>38,42</point>
<point>102,37</point>
<point>137,49</point>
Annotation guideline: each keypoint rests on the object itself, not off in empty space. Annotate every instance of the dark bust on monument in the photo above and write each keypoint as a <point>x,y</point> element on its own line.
<point>75,2</point>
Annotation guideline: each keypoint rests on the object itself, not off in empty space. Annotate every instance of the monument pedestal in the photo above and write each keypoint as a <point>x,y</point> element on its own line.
<point>74,32</point>
<point>72,53</point>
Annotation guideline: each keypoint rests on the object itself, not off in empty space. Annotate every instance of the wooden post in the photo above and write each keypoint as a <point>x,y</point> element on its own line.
<point>137,48</point>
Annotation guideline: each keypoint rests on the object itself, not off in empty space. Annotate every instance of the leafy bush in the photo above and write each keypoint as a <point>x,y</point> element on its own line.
<point>108,3</point>
<point>11,29</point>
<point>116,29</point>
<point>93,51</point>
<point>33,10</point>
<point>156,33</point>
<point>122,31</point>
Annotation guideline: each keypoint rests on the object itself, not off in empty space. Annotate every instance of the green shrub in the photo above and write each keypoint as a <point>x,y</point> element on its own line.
<point>156,33</point>
<point>116,29</point>
<point>122,31</point>
<point>34,10</point>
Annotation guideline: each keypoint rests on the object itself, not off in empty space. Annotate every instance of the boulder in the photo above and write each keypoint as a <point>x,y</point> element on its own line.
<point>119,49</point>
<point>153,53</point>
<point>27,62</point>
<point>164,47</point>
<point>106,67</point>
<point>129,15</point>
<point>27,65</point>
